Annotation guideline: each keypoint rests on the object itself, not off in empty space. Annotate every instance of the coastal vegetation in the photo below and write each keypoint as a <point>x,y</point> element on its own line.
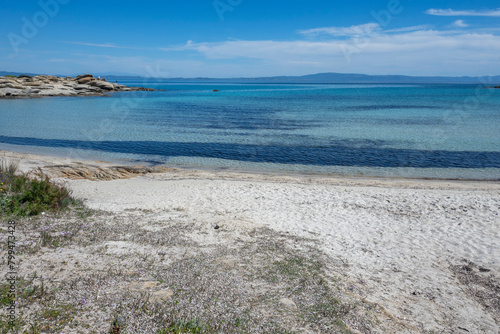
<point>22,194</point>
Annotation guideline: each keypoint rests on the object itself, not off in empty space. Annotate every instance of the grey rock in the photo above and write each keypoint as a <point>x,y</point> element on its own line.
<point>56,92</point>
<point>84,76</point>
<point>33,84</point>
<point>45,86</point>
<point>161,295</point>
<point>288,303</point>
<point>81,87</point>
<point>85,80</point>
<point>10,91</point>
<point>11,85</point>
<point>102,85</point>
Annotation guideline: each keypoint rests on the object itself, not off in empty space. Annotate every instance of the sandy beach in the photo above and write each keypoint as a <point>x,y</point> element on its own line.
<point>425,251</point>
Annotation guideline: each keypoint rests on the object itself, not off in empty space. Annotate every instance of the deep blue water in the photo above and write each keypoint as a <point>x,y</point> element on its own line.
<point>403,130</point>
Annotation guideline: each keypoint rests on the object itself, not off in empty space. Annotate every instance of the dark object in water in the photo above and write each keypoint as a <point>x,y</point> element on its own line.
<point>216,90</point>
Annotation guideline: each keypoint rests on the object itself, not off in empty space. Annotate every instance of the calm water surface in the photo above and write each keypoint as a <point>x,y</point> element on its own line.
<point>389,130</point>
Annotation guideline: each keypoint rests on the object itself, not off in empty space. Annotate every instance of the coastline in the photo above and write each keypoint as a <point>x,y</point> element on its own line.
<point>36,160</point>
<point>25,86</point>
<point>400,244</point>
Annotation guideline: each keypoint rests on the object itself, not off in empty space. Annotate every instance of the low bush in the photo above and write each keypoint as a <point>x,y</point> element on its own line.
<point>23,195</point>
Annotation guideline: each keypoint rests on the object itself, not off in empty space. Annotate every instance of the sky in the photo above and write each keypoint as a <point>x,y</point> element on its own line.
<point>250,38</point>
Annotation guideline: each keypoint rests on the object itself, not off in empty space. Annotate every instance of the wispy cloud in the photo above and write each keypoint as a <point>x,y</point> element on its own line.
<point>357,30</point>
<point>415,50</point>
<point>104,45</point>
<point>459,24</point>
<point>367,29</point>
<point>451,12</point>
<point>413,28</point>
<point>412,50</point>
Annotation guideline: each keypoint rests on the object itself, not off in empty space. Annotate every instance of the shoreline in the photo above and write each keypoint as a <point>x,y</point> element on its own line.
<point>44,160</point>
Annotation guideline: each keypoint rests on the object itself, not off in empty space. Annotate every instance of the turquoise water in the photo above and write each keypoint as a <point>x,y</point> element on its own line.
<point>390,130</point>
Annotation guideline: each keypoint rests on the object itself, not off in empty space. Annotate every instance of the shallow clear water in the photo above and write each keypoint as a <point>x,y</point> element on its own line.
<point>403,130</point>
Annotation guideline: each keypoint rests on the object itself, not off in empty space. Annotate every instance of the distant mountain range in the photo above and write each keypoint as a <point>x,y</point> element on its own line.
<point>320,78</point>
<point>4,73</point>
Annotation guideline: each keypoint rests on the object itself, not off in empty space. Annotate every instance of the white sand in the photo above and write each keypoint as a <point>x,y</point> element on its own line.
<point>398,237</point>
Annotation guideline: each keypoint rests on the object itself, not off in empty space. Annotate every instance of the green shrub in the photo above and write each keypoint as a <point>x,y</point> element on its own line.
<point>191,326</point>
<point>28,196</point>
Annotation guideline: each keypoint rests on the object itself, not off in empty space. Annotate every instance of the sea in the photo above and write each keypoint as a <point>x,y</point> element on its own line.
<point>411,131</point>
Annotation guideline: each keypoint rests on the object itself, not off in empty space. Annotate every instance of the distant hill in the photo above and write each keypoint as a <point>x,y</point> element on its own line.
<point>331,78</point>
<point>320,78</point>
<point>364,78</point>
<point>4,73</point>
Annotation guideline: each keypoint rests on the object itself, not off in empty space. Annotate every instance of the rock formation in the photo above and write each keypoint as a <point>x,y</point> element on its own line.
<point>47,85</point>
<point>94,173</point>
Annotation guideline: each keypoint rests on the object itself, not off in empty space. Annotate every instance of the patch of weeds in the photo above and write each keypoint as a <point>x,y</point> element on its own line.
<point>15,326</point>
<point>245,297</point>
<point>81,211</point>
<point>22,195</point>
<point>27,291</point>
<point>60,314</point>
<point>5,295</point>
<point>330,311</point>
<point>480,284</point>
<point>48,240</point>
<point>115,328</point>
<point>190,326</point>
<point>291,266</point>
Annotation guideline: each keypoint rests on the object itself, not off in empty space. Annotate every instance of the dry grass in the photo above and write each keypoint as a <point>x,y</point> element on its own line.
<point>74,281</point>
<point>481,285</point>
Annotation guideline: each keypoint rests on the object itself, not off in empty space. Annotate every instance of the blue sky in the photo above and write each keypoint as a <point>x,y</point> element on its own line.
<point>235,38</point>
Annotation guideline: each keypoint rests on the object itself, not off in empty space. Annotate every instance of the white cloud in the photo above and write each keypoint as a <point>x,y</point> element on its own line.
<point>451,12</point>
<point>404,51</point>
<point>460,24</point>
<point>417,50</point>
<point>357,30</point>
<point>413,28</point>
<point>104,45</point>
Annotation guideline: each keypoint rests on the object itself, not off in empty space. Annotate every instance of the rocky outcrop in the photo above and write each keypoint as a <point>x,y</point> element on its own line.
<point>26,86</point>
<point>102,84</point>
<point>85,80</point>
<point>90,172</point>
